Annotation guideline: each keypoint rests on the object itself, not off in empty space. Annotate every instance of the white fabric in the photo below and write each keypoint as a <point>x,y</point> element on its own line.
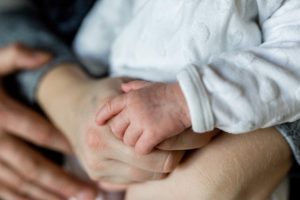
<point>237,61</point>
<point>282,191</point>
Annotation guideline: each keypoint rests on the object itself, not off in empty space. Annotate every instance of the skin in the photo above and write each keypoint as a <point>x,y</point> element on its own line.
<point>231,167</point>
<point>246,166</point>
<point>103,156</point>
<point>24,173</point>
<point>146,115</point>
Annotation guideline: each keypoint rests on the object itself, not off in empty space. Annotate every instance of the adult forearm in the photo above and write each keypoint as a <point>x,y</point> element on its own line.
<point>248,166</point>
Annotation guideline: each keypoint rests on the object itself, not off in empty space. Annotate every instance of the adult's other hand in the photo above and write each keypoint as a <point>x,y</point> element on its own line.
<point>188,140</point>
<point>16,118</point>
<point>25,174</point>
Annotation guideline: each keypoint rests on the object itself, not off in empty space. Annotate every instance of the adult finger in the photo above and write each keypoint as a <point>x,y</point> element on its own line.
<point>17,56</point>
<point>111,187</point>
<point>36,169</point>
<point>118,180</point>
<point>110,108</point>
<point>187,140</point>
<point>25,123</point>
<point>134,85</point>
<point>17,183</point>
<point>156,161</point>
<point>126,173</point>
<point>7,193</point>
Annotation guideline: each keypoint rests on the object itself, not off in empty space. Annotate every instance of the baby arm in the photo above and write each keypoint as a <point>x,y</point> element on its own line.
<point>146,115</point>
<point>252,88</point>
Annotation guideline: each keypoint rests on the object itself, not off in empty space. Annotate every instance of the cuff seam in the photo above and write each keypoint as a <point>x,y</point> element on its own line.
<point>197,98</point>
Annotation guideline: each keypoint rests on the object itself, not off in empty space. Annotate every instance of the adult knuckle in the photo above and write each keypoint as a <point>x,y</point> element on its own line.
<point>92,164</point>
<point>94,140</point>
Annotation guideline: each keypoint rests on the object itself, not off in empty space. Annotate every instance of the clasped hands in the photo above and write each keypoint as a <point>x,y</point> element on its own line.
<point>108,161</point>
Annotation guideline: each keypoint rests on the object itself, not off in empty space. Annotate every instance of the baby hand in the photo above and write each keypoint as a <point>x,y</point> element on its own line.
<point>146,115</point>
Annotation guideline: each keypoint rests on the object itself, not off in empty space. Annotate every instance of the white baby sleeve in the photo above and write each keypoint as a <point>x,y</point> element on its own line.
<point>256,88</point>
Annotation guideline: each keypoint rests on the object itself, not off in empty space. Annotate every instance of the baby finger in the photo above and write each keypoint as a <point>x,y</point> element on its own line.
<point>112,107</point>
<point>119,124</point>
<point>131,135</point>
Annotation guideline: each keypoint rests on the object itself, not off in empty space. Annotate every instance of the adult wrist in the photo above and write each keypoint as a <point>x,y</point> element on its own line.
<point>61,81</point>
<point>59,93</point>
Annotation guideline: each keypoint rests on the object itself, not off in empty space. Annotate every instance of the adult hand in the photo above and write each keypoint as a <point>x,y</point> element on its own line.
<point>188,140</point>
<point>17,56</point>
<point>16,118</point>
<point>247,166</point>
<point>103,156</point>
<point>24,174</point>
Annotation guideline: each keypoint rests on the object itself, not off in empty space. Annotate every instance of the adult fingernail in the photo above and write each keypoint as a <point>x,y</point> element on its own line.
<point>86,194</point>
<point>100,197</point>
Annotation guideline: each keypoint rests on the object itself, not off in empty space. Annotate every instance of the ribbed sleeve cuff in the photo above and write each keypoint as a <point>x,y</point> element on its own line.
<point>291,132</point>
<point>197,98</point>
